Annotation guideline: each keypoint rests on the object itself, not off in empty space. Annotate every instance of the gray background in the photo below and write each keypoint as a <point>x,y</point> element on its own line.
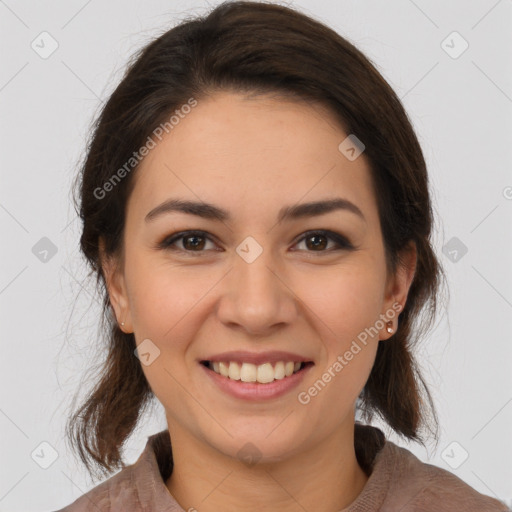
<point>460,105</point>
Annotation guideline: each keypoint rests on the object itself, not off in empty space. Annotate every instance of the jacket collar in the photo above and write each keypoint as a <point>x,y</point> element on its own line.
<point>154,466</point>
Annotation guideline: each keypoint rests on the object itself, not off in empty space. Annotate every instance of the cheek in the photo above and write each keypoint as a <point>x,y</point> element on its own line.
<point>346,305</point>
<point>163,296</point>
<point>164,301</point>
<point>346,300</point>
<point>168,304</point>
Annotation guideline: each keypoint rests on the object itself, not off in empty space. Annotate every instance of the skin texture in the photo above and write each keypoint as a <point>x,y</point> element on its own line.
<point>252,157</point>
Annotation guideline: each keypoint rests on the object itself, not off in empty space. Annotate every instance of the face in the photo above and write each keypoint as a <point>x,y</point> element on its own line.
<point>312,283</point>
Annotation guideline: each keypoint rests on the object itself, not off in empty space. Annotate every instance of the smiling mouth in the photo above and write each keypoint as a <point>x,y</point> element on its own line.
<point>262,374</point>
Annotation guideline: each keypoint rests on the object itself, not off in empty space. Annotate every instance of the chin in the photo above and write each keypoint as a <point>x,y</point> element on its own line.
<point>261,442</point>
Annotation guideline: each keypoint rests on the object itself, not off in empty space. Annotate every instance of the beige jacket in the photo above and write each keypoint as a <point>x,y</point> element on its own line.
<point>398,482</point>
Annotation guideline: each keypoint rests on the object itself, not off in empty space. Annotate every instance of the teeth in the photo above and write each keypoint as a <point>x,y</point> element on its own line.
<point>234,371</point>
<point>223,369</point>
<point>279,372</point>
<point>265,373</point>
<point>248,372</point>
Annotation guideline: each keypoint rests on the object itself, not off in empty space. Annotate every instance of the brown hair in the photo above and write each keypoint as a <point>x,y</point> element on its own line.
<point>255,47</point>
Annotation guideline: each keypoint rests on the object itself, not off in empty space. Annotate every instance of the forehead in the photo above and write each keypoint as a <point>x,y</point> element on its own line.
<point>252,154</point>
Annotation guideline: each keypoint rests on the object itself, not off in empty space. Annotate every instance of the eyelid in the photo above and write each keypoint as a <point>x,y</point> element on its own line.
<point>342,242</point>
<point>168,241</point>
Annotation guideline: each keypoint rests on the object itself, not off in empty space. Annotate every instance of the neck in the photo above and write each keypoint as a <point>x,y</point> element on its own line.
<point>325,478</point>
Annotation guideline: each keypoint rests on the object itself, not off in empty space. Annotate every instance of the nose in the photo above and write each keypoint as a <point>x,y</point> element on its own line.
<point>256,296</point>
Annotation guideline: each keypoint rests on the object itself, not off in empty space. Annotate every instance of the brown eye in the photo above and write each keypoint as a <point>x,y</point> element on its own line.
<point>317,241</point>
<point>191,242</point>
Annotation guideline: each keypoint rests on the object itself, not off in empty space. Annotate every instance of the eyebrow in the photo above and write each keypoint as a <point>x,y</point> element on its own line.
<point>212,212</point>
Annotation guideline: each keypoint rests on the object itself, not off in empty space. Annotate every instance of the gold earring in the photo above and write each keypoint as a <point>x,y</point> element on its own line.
<point>389,327</point>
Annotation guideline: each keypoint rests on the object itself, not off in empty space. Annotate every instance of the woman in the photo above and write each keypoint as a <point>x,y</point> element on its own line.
<point>255,203</point>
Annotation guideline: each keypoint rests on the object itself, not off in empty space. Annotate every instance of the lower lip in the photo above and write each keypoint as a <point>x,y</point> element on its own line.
<point>254,390</point>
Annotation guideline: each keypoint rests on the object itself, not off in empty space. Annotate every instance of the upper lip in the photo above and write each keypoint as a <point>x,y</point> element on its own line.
<point>256,358</point>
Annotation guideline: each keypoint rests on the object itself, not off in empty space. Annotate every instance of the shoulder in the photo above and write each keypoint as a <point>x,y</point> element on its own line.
<point>416,485</point>
<point>102,497</point>
<point>138,486</point>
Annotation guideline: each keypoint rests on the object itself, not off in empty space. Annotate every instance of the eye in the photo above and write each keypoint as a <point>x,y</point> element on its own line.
<point>195,241</point>
<point>318,240</point>
<point>191,241</point>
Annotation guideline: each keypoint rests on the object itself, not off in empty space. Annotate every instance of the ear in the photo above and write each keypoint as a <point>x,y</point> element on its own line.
<point>116,287</point>
<point>398,285</point>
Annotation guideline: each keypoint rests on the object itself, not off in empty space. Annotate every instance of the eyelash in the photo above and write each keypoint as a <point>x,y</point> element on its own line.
<point>166,244</point>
